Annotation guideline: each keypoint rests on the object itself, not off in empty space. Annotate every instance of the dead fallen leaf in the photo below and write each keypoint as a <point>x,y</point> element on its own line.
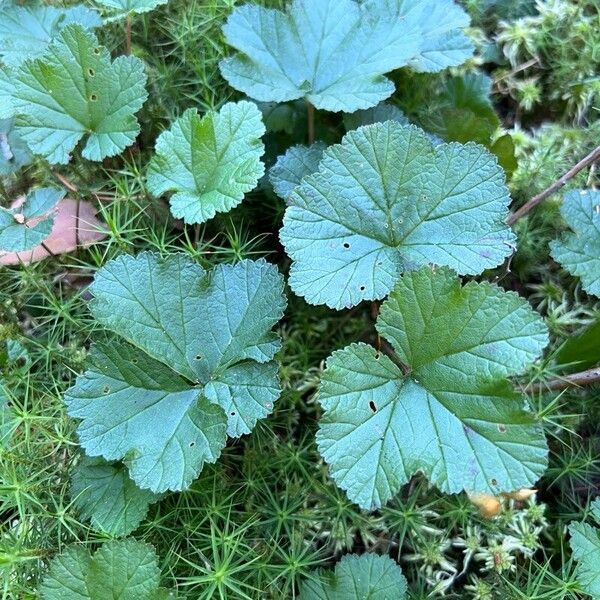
<point>489,506</point>
<point>65,234</point>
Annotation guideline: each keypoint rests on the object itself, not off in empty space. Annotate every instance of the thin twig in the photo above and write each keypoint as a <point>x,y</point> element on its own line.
<point>391,354</point>
<point>592,157</point>
<point>584,378</point>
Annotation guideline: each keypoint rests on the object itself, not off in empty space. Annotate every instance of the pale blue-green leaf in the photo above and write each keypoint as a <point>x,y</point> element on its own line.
<point>123,8</point>
<point>454,417</point>
<point>247,392</point>
<point>145,403</point>
<point>74,90</point>
<point>209,162</point>
<point>579,251</point>
<point>104,494</point>
<point>386,200</point>
<point>378,114</point>
<point>28,225</point>
<point>26,31</point>
<point>291,167</point>
<point>135,409</point>
<point>585,543</point>
<point>443,43</point>
<point>14,152</point>
<point>7,90</point>
<point>357,578</point>
<point>335,53</point>
<point>198,324</point>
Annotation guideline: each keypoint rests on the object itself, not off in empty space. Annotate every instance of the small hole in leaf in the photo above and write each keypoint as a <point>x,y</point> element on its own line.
<point>233,414</point>
<point>106,389</point>
<point>134,361</point>
<point>372,406</point>
<point>377,355</point>
<point>502,428</point>
<point>96,51</point>
<point>91,72</point>
<point>362,288</point>
<point>192,444</point>
<point>346,245</point>
<point>198,357</point>
<point>494,482</point>
<point>93,97</point>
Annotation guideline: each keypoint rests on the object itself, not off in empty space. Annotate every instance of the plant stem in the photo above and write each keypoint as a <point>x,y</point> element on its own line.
<point>592,157</point>
<point>128,35</point>
<point>310,113</point>
<point>588,377</point>
<point>391,354</point>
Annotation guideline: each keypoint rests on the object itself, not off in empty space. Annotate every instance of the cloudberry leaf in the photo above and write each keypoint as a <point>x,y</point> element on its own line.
<point>126,569</point>
<point>387,200</point>
<point>210,162</point>
<point>585,543</point>
<point>104,494</point>
<point>195,363</point>
<point>14,152</point>
<point>291,167</point>
<point>579,251</point>
<point>454,417</point>
<point>335,53</point>
<point>378,114</point>
<point>122,8</point>
<point>26,31</point>
<point>74,90</point>
<point>356,578</point>
<point>30,223</point>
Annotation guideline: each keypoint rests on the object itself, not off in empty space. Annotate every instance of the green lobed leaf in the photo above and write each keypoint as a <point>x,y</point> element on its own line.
<point>387,200</point>
<point>335,53</point>
<point>195,364</point>
<point>74,90</point>
<point>290,168</point>
<point>123,8</point>
<point>14,152</point>
<point>463,111</point>
<point>578,252</point>
<point>356,578</point>
<point>585,543</point>
<point>28,225</point>
<point>104,494</point>
<point>454,417</point>
<point>210,162</point>
<point>26,31</point>
<point>125,569</point>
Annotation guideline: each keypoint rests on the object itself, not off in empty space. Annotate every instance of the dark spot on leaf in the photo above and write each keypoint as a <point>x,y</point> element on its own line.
<point>192,444</point>
<point>106,389</point>
<point>362,288</point>
<point>494,482</point>
<point>346,245</point>
<point>198,357</point>
<point>501,428</point>
<point>372,406</point>
<point>96,51</point>
<point>134,361</point>
<point>232,414</point>
<point>377,355</point>
<point>93,97</point>
<point>91,72</point>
